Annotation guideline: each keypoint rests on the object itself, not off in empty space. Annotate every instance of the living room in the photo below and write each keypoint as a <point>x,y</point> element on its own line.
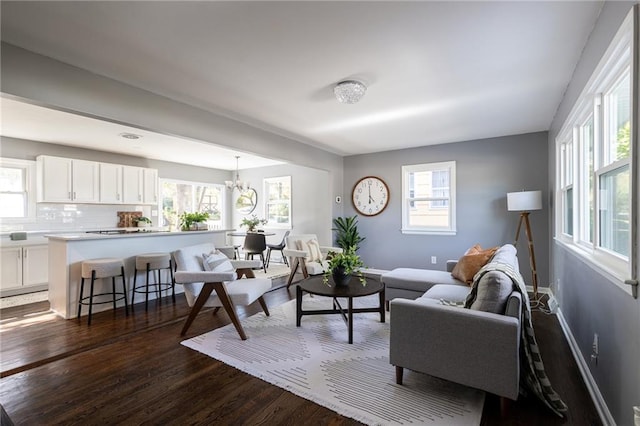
<point>487,168</point>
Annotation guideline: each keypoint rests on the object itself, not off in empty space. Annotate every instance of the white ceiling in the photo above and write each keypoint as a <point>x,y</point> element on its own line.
<point>436,72</point>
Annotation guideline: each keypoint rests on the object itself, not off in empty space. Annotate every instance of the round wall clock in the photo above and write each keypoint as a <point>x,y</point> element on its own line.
<point>370,196</point>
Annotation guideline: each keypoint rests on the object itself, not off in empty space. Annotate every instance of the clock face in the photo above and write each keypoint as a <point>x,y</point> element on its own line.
<point>370,196</point>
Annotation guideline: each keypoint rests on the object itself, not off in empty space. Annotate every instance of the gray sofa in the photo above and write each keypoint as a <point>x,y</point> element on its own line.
<point>477,347</point>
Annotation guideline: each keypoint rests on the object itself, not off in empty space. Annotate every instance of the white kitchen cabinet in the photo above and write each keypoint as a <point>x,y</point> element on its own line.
<point>11,271</point>
<point>150,186</point>
<point>111,183</point>
<point>133,185</point>
<point>63,180</point>
<point>24,267</point>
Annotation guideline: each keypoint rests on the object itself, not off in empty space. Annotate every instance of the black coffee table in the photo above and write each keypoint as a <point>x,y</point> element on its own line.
<point>314,285</point>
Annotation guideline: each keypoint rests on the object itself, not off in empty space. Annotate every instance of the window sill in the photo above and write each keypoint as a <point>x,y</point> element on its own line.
<point>613,275</point>
<point>427,232</point>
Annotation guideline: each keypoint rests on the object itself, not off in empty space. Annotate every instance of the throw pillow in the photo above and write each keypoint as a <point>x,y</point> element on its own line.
<point>217,262</point>
<point>312,248</point>
<point>471,262</point>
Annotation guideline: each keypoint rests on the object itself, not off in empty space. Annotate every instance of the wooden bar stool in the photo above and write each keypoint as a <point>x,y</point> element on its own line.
<point>97,269</point>
<point>153,262</point>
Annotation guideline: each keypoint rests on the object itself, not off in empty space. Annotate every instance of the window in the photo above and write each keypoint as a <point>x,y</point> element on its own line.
<point>183,196</point>
<point>277,197</point>
<point>594,164</point>
<point>17,190</point>
<point>428,193</point>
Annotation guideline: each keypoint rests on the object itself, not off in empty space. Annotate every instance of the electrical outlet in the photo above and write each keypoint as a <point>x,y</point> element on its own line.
<point>553,304</point>
<point>434,260</point>
<point>596,349</point>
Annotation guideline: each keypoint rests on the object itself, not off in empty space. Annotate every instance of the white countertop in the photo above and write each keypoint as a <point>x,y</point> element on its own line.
<point>83,236</point>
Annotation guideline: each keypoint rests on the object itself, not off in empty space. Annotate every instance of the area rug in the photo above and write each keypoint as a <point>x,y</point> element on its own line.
<point>315,361</point>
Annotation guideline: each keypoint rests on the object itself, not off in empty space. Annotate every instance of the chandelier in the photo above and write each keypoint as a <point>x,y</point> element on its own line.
<point>238,184</point>
<point>349,91</point>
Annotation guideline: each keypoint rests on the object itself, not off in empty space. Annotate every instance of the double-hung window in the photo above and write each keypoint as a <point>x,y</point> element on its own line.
<point>184,196</point>
<point>594,164</point>
<point>429,198</point>
<point>277,205</point>
<point>17,190</point>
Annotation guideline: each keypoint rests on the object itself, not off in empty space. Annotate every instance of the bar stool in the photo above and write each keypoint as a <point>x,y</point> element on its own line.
<point>97,269</point>
<point>153,262</point>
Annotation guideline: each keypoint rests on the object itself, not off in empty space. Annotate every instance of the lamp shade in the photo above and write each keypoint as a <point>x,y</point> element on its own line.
<point>524,201</point>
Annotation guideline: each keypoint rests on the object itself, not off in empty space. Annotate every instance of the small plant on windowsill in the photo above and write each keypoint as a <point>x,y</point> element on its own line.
<point>189,221</point>
<point>342,266</point>
<point>252,222</point>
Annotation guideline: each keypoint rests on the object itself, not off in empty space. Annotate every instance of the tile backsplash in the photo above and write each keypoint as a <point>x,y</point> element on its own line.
<point>75,217</point>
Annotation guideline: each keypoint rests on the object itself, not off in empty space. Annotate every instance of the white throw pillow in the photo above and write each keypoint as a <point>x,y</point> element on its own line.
<point>312,248</point>
<point>217,262</point>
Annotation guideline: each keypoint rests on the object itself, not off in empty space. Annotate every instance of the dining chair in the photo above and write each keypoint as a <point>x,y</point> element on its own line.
<point>278,247</point>
<point>255,243</point>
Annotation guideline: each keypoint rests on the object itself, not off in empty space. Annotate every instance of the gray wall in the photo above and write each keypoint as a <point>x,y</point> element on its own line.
<point>588,301</point>
<point>486,170</point>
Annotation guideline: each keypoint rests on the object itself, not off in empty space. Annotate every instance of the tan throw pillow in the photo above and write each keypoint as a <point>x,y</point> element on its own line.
<point>312,248</point>
<point>471,262</point>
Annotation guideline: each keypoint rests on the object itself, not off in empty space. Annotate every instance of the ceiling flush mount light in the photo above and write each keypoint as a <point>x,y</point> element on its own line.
<point>131,136</point>
<point>349,91</point>
<point>238,184</point>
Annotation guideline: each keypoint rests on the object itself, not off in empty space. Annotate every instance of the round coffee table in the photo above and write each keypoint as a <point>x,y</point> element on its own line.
<point>314,285</point>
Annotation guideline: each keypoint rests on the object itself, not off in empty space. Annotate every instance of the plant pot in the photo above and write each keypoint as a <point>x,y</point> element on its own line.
<point>340,277</point>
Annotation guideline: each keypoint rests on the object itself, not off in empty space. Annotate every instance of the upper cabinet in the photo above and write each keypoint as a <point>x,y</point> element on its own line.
<point>64,180</point>
<point>111,183</point>
<point>67,180</point>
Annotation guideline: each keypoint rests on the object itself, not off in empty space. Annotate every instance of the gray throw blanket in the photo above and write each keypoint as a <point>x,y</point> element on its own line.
<point>532,374</point>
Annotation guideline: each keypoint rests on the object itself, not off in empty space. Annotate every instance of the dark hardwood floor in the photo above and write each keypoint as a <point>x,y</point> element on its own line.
<point>133,370</point>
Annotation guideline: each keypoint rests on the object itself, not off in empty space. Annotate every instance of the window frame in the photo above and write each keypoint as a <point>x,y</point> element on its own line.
<point>265,184</point>
<point>593,103</point>
<point>222,205</point>
<point>30,189</point>
<point>409,199</point>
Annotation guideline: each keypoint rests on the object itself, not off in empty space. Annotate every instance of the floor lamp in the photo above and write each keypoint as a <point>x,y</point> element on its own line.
<point>525,202</point>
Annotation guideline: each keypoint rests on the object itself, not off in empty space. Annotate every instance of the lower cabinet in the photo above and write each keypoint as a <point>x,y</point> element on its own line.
<point>24,269</point>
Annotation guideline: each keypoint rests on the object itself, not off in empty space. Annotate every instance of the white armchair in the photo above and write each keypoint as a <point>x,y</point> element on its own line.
<point>199,284</point>
<point>306,254</point>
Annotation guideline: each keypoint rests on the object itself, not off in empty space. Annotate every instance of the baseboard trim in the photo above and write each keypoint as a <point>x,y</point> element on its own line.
<point>592,386</point>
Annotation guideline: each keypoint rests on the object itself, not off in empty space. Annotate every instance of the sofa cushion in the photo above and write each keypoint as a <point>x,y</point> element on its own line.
<point>317,268</point>
<point>419,280</point>
<point>471,262</point>
<point>217,262</point>
<point>494,289</point>
<point>312,248</point>
<point>448,292</point>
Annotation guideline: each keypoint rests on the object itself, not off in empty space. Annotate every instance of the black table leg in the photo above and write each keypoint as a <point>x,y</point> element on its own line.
<point>350,313</point>
<point>298,305</point>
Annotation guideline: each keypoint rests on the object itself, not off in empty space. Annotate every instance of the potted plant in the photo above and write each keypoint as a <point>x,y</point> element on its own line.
<point>347,232</point>
<point>252,222</point>
<point>342,266</point>
<point>190,221</point>
<point>142,221</point>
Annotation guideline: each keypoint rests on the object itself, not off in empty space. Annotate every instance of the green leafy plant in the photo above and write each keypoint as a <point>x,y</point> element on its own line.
<point>252,222</point>
<point>142,219</point>
<point>347,234</point>
<point>188,219</point>
<point>348,262</point>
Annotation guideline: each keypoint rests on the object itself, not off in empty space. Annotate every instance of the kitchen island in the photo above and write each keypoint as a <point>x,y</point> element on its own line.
<point>67,251</point>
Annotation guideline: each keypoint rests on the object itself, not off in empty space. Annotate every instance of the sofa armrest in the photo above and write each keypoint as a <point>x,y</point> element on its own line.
<point>474,348</point>
<point>294,253</point>
<point>451,264</point>
<point>186,277</point>
<point>246,264</point>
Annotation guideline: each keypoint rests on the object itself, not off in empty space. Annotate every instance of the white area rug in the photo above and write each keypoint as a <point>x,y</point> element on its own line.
<point>315,362</point>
